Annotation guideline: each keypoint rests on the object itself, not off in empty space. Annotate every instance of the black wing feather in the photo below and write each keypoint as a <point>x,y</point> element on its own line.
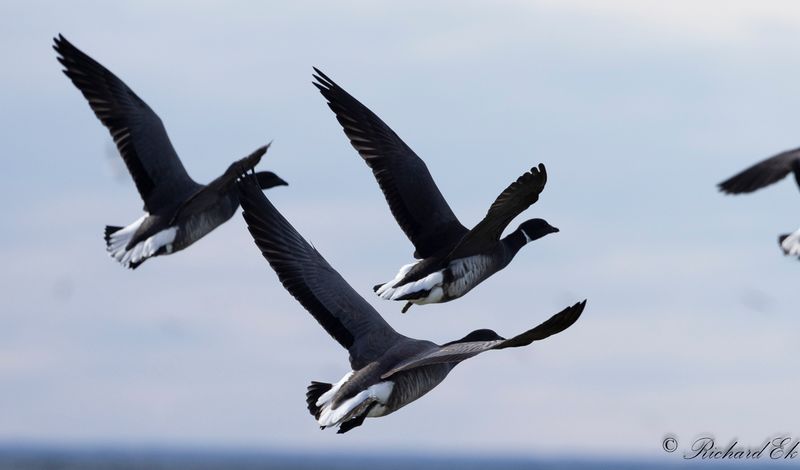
<point>141,139</point>
<point>413,197</point>
<point>555,324</point>
<point>517,197</point>
<point>459,351</point>
<point>344,314</point>
<point>763,173</point>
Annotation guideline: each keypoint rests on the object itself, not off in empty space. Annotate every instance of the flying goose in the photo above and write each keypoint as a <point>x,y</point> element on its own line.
<point>178,211</point>
<point>389,370</point>
<point>452,259</point>
<point>763,174</point>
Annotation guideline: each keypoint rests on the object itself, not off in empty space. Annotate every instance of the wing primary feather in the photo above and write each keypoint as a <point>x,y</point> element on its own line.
<point>763,173</point>
<point>554,325</point>
<point>516,198</point>
<point>137,131</point>
<point>413,197</point>
<point>344,314</point>
<point>461,350</point>
<point>284,251</point>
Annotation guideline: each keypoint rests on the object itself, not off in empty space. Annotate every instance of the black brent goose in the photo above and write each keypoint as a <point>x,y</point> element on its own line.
<point>452,259</point>
<point>388,370</point>
<point>178,211</point>
<point>763,174</point>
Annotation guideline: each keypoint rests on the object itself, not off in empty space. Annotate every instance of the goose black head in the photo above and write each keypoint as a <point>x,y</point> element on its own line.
<point>479,335</point>
<point>268,179</point>
<point>534,229</point>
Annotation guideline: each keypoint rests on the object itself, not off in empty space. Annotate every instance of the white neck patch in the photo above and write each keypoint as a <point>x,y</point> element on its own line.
<point>527,238</point>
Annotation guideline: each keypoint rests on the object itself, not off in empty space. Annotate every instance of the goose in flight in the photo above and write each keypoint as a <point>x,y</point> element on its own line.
<point>763,174</point>
<point>389,370</point>
<point>178,211</point>
<point>452,260</point>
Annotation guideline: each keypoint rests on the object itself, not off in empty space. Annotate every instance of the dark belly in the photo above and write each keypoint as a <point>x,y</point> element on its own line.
<point>196,226</point>
<point>466,273</point>
<point>412,384</point>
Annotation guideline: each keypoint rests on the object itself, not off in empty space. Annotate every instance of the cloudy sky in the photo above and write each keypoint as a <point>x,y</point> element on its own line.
<point>637,108</point>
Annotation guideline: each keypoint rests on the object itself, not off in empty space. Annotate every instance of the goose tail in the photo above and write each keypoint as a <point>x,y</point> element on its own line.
<point>120,243</point>
<point>386,289</point>
<point>790,243</point>
<point>350,412</point>
<point>313,394</point>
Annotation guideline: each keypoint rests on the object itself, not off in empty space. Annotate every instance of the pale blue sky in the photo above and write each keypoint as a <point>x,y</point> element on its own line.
<point>637,108</point>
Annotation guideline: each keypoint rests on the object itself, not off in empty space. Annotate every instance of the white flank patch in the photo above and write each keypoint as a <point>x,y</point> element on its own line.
<point>118,240</point>
<point>327,396</point>
<point>399,277</point>
<point>425,284</point>
<point>379,392</point>
<point>436,294</point>
<point>791,244</point>
<point>467,273</point>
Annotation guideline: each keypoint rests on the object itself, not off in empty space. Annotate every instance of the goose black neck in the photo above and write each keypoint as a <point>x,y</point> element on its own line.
<point>796,170</point>
<point>514,241</point>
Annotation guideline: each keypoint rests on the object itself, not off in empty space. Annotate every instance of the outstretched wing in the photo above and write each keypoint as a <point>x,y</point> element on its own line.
<point>344,314</point>
<point>138,132</point>
<point>764,173</point>
<point>208,196</point>
<point>517,197</point>
<point>413,197</point>
<point>459,351</point>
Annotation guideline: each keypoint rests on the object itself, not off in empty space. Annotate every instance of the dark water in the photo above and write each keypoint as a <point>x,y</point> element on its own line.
<point>117,459</point>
